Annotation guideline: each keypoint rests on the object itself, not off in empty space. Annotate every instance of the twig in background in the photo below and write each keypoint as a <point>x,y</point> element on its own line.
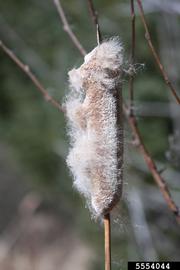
<point>94,16</point>
<point>133,43</point>
<point>152,166</point>
<point>26,69</point>
<point>67,27</point>
<point>137,136</point>
<point>155,54</point>
<point>13,37</point>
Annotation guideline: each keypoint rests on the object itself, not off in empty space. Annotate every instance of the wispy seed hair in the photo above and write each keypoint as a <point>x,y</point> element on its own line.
<point>94,113</point>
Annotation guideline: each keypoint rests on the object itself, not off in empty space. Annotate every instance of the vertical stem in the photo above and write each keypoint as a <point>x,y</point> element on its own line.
<point>133,42</point>
<point>94,16</point>
<point>67,27</point>
<point>107,241</point>
<point>155,54</point>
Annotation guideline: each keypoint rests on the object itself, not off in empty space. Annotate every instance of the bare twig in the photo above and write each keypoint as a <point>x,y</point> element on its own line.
<point>133,42</point>
<point>137,136</point>
<point>94,16</point>
<point>155,54</point>
<point>67,27</point>
<point>107,241</point>
<point>152,166</point>
<point>33,78</point>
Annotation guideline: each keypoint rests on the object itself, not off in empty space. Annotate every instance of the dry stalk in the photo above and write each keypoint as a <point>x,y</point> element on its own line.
<point>107,241</point>
<point>159,180</point>
<point>133,42</point>
<point>94,16</point>
<point>155,54</point>
<point>137,135</point>
<point>67,27</point>
<point>26,69</point>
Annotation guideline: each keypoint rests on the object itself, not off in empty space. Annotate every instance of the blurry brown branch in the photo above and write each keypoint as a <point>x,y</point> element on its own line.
<point>153,169</point>
<point>33,78</point>
<point>67,27</point>
<point>94,16</point>
<point>133,43</point>
<point>137,136</point>
<point>155,54</point>
<point>151,165</point>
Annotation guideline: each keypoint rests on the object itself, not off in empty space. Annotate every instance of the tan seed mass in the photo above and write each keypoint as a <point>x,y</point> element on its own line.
<point>94,112</point>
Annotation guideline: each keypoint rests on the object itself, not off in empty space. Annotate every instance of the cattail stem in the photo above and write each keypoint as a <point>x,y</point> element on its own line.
<point>107,241</point>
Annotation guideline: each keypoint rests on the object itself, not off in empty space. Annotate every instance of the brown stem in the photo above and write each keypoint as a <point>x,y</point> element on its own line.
<point>26,69</point>
<point>134,126</point>
<point>133,42</point>
<point>94,16</point>
<point>67,27</point>
<point>155,54</point>
<point>107,241</point>
<point>152,166</point>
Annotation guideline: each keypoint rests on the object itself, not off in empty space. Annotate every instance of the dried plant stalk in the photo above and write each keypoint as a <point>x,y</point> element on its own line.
<point>107,241</point>
<point>67,27</point>
<point>155,54</point>
<point>26,69</point>
<point>94,111</point>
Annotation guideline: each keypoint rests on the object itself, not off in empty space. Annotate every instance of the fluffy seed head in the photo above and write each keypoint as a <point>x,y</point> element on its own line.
<point>95,126</point>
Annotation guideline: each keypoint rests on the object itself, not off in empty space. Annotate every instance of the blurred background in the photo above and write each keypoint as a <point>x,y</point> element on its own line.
<point>44,223</point>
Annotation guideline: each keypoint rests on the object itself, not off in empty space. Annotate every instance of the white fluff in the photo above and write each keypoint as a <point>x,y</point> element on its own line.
<point>95,156</point>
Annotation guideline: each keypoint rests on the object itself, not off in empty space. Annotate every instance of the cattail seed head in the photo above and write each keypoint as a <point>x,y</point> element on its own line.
<point>94,112</point>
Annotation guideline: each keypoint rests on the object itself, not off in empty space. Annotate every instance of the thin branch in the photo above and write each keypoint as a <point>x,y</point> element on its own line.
<point>67,27</point>
<point>135,130</point>
<point>94,16</point>
<point>32,77</point>
<point>133,43</point>
<point>155,54</point>
<point>152,166</point>
<point>107,241</point>
<point>133,124</point>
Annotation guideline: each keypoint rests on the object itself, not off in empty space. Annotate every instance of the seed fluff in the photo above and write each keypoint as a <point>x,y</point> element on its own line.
<point>94,113</point>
